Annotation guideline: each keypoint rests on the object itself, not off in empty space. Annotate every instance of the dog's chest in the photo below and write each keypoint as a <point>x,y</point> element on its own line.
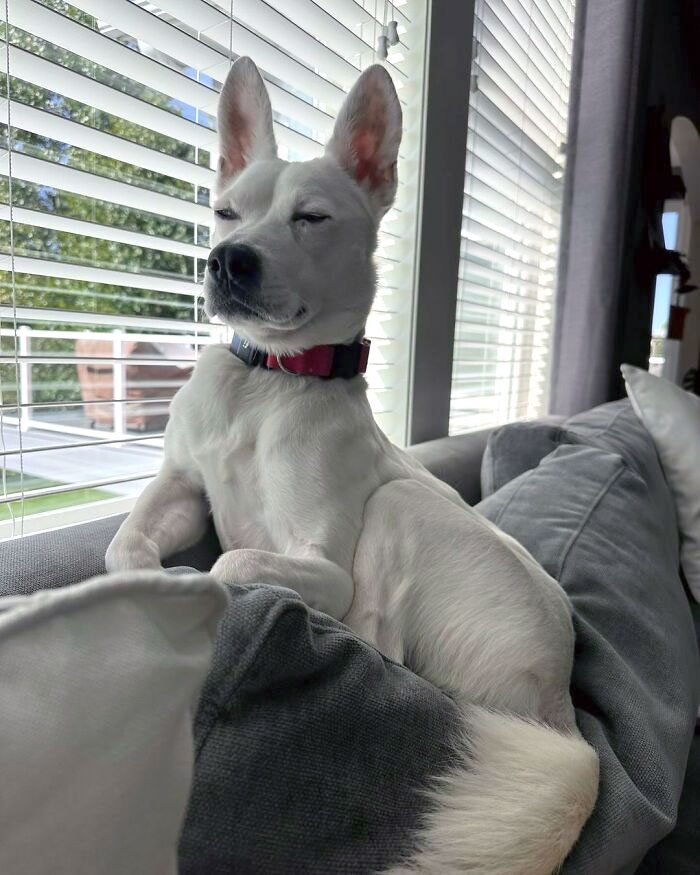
<point>278,466</point>
<point>232,474</point>
<point>229,444</point>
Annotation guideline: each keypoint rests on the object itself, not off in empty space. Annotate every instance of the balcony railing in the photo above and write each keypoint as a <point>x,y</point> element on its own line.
<point>83,414</point>
<point>125,380</point>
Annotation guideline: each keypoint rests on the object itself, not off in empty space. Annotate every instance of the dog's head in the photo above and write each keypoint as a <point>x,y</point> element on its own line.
<point>292,262</point>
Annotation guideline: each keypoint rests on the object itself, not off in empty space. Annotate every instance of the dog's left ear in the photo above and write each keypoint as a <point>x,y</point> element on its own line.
<point>367,134</point>
<point>244,120</point>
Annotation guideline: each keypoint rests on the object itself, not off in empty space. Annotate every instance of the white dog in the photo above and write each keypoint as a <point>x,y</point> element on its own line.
<point>306,492</point>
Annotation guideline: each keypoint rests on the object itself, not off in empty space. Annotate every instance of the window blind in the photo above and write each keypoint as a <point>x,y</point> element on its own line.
<point>518,109</point>
<point>108,112</point>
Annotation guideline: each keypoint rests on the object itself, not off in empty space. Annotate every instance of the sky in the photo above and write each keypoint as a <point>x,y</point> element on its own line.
<point>664,282</point>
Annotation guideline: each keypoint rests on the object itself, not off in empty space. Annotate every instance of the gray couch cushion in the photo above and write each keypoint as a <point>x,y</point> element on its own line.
<point>601,522</point>
<point>514,448</point>
<point>312,747</point>
<point>60,557</point>
<point>519,446</point>
<point>679,852</point>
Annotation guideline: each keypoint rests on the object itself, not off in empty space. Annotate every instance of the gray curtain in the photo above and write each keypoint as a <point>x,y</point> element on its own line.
<point>608,98</point>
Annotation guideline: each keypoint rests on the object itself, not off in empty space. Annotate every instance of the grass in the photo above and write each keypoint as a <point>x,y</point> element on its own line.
<point>42,503</point>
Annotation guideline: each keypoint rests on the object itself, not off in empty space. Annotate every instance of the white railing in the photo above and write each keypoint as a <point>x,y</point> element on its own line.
<point>117,359</point>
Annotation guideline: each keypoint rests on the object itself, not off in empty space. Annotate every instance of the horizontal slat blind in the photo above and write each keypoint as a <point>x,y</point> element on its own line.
<point>108,117</point>
<point>518,108</point>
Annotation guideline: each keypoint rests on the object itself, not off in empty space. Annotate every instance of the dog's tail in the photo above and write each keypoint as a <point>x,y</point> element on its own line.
<point>514,805</point>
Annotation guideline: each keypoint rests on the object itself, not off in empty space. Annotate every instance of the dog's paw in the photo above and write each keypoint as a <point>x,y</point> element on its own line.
<point>132,551</point>
<point>231,567</point>
<point>321,584</point>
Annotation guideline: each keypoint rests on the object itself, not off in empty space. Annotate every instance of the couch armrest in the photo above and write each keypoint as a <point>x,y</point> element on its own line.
<point>64,556</point>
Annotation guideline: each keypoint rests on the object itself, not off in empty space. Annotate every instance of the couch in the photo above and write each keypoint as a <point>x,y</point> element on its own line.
<point>244,741</point>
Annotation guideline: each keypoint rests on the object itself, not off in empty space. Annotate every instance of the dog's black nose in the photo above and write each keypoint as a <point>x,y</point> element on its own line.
<point>235,266</point>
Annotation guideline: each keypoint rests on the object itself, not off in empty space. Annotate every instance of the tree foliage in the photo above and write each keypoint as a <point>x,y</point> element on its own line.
<point>49,244</point>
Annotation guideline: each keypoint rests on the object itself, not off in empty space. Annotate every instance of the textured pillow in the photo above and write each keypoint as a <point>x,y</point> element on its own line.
<point>519,446</point>
<point>514,448</point>
<point>603,530</point>
<point>312,747</point>
<point>672,418</point>
<point>98,688</point>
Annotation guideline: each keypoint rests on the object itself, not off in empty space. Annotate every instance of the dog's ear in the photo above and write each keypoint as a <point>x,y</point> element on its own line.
<point>244,120</point>
<point>367,134</point>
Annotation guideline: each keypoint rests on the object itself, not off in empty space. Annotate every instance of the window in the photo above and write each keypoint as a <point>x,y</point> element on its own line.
<point>105,220</point>
<point>518,108</point>
<point>663,358</point>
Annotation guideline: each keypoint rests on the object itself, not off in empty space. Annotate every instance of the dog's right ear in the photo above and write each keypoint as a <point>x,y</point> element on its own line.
<point>244,121</point>
<point>367,134</point>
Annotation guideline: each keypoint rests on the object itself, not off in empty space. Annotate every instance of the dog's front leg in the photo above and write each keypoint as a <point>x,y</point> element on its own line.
<point>322,584</point>
<point>170,514</point>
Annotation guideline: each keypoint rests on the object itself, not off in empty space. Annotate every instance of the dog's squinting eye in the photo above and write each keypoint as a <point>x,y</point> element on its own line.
<point>227,214</point>
<point>311,218</point>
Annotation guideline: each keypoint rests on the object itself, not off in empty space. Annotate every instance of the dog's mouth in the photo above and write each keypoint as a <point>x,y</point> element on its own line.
<point>278,321</point>
<point>234,306</point>
<point>273,318</point>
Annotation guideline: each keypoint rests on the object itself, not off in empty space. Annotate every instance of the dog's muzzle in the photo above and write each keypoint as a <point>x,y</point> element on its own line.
<point>235,275</point>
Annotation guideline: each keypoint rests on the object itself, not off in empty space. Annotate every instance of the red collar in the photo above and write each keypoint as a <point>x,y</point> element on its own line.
<point>345,360</point>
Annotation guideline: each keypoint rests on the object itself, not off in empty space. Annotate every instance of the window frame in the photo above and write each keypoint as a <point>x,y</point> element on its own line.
<point>449,43</point>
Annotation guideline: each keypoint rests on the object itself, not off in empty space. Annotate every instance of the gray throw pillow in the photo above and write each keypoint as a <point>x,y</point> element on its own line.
<point>311,747</point>
<point>602,524</point>
<point>514,448</point>
<point>519,447</point>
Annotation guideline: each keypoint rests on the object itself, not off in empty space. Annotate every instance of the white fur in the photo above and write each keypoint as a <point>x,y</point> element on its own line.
<point>244,120</point>
<point>307,492</point>
<point>515,806</point>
